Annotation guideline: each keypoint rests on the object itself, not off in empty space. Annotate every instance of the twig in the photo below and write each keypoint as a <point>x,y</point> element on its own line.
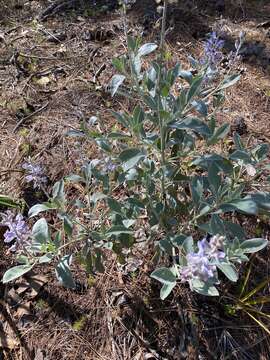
<point>99,71</point>
<point>7,316</point>
<point>29,116</point>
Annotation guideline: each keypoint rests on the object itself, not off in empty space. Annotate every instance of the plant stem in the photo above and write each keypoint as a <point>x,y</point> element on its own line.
<point>161,122</point>
<point>163,27</point>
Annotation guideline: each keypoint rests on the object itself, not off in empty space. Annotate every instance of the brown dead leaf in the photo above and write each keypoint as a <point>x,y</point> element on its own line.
<point>8,342</point>
<point>23,309</point>
<point>39,355</point>
<point>44,80</point>
<point>8,339</point>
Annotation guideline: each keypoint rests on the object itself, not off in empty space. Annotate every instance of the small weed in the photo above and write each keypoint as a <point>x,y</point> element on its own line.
<point>79,324</point>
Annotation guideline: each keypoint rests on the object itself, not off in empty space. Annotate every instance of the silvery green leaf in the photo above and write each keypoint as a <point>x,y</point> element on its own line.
<point>36,209</point>
<point>114,206</point>
<point>214,178</point>
<point>136,203</point>
<point>194,88</point>
<point>204,210</point>
<point>229,81</point>
<point>166,246</point>
<point>22,259</point>
<point>200,106</point>
<point>129,222</point>
<point>253,245</point>
<point>222,163</point>
<point>132,43</point>
<point>97,197</point>
<point>147,49</point>
<point>204,288</point>
<point>75,133</point>
<point>184,242</point>
<point>118,135</point>
<point>121,118</point>
<point>238,142</point>
<point>40,231</point>
<point>74,178</point>
<point>116,81</point>
<point>63,272</point>
<point>118,230</point>
<point>59,191</point>
<point>186,75</point>
<point>166,290</point>
<point>164,275</point>
<point>262,200</point>
<point>130,158</point>
<point>228,270</point>
<point>15,272</point>
<point>235,230</point>
<point>247,206</point>
<point>46,258</point>
<point>104,145</point>
<point>219,134</point>
<point>260,152</point>
<point>192,123</point>
<point>132,175</point>
<point>68,225</point>
<point>241,155</point>
<point>196,190</point>
<point>217,225</point>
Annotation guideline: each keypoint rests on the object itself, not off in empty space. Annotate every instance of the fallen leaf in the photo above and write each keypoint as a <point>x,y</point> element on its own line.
<point>44,80</point>
<point>39,355</point>
<point>23,309</point>
<point>8,342</point>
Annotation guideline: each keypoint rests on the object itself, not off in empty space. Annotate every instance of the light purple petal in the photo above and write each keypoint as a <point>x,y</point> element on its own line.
<point>9,236</point>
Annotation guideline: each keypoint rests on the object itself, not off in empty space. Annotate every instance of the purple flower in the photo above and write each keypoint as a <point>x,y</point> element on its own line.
<point>109,165</point>
<point>35,174</point>
<point>17,230</point>
<point>198,267</point>
<point>212,50</point>
<point>201,265</point>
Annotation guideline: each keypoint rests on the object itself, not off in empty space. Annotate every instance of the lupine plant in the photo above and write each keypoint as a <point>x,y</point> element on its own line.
<point>164,171</point>
<point>34,174</point>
